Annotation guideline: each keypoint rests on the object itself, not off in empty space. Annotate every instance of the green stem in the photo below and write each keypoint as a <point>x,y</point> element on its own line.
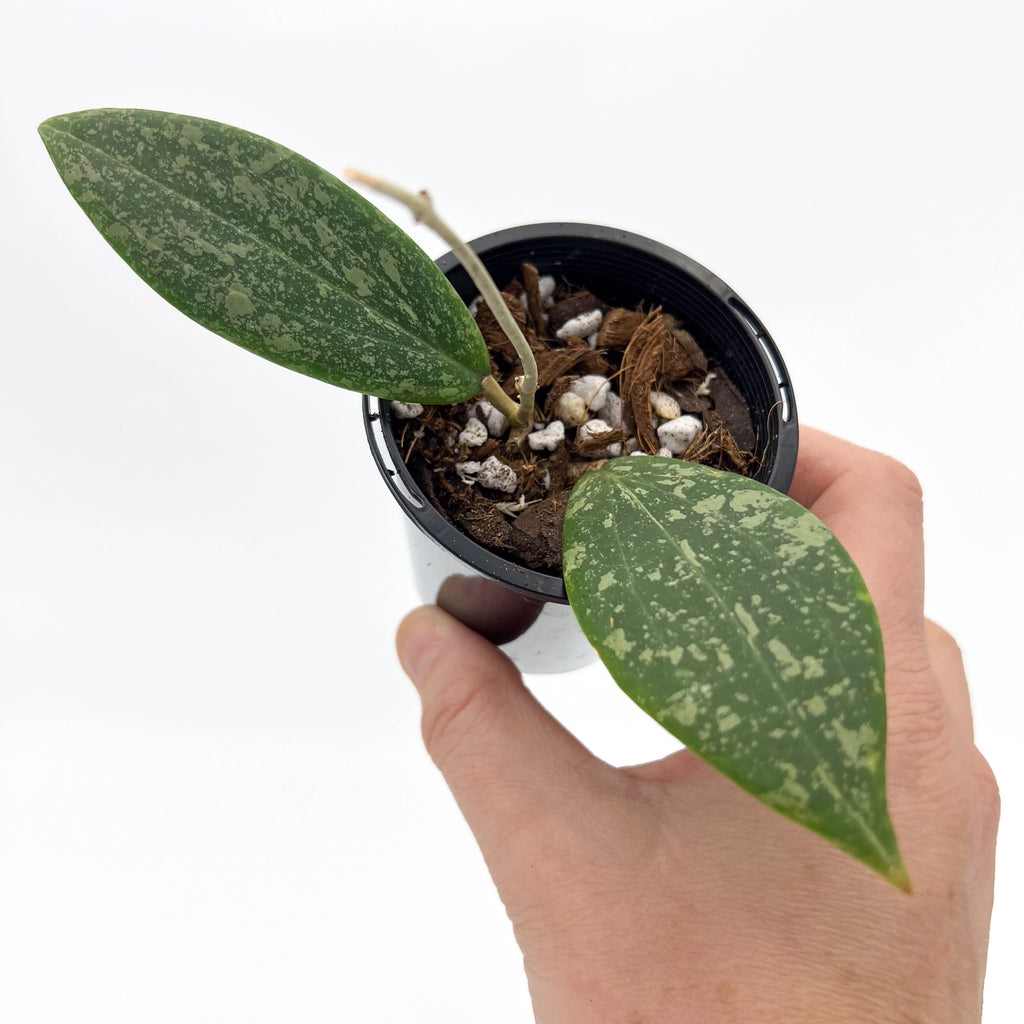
<point>422,208</point>
<point>496,396</point>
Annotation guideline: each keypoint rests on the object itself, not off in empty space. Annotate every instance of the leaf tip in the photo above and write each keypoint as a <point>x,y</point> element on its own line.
<point>897,875</point>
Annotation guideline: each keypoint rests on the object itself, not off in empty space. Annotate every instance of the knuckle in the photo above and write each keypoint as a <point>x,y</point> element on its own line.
<point>907,655</point>
<point>920,720</point>
<point>987,790</point>
<point>943,642</point>
<point>889,481</point>
<point>894,476</point>
<point>922,731</point>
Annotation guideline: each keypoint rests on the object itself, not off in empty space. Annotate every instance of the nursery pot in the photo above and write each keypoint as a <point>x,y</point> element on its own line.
<point>522,610</point>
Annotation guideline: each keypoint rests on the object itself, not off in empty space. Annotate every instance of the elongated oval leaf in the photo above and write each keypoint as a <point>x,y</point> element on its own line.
<point>271,252</point>
<point>732,616</point>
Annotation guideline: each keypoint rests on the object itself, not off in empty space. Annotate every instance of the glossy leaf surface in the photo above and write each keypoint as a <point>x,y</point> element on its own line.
<point>271,252</point>
<point>733,616</point>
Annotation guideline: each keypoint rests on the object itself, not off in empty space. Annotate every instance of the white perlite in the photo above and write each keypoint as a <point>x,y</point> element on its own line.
<point>406,410</point>
<point>571,409</point>
<point>494,419</point>
<point>591,429</point>
<point>594,428</point>
<point>593,389</point>
<point>611,412</point>
<point>547,439</point>
<point>497,476</point>
<point>546,289</point>
<point>665,406</point>
<point>475,433</point>
<point>580,326</point>
<point>678,434</point>
<point>467,471</point>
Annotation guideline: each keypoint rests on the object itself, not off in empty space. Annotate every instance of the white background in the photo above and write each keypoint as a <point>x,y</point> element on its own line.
<point>214,805</point>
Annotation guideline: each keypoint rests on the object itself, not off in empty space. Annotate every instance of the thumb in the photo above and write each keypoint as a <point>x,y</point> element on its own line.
<point>503,756</point>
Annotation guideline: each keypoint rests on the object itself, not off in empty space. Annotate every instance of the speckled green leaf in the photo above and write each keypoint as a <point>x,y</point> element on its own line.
<point>733,617</point>
<point>270,251</point>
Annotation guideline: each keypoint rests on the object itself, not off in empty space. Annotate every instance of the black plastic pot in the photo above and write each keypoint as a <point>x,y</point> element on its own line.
<point>523,610</point>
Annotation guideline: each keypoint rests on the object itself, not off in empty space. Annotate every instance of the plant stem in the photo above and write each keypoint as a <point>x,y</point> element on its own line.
<point>494,394</point>
<point>422,208</point>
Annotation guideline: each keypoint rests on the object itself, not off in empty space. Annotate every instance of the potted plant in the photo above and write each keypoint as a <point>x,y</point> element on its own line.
<point>725,610</point>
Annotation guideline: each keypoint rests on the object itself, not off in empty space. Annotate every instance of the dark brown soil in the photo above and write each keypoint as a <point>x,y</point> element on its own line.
<point>639,350</point>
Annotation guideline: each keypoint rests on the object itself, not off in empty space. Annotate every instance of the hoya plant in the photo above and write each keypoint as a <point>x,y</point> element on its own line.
<point>724,609</point>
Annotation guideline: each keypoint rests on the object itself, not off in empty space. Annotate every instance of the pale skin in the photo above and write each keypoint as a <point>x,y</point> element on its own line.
<point>663,894</point>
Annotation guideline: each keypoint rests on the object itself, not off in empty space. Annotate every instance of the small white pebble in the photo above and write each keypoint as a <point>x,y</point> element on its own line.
<point>665,406</point>
<point>637,452</point>
<point>406,410</point>
<point>611,412</point>
<point>630,445</point>
<point>580,326</point>
<point>475,433</point>
<point>475,305</point>
<point>546,287</point>
<point>592,340</point>
<point>547,439</point>
<point>593,389</point>
<point>677,434</point>
<point>495,420</point>
<point>592,428</point>
<point>665,453</point>
<point>571,409</point>
<point>497,476</point>
<point>705,387</point>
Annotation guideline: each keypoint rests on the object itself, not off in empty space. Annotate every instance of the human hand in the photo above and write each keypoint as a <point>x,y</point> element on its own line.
<point>663,893</point>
